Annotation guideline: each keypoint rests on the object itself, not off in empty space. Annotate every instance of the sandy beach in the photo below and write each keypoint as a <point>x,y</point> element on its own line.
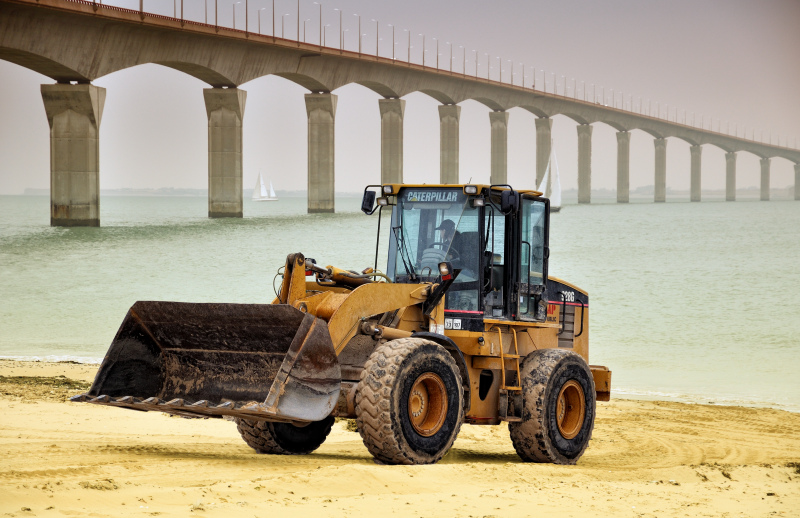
<point>647,458</point>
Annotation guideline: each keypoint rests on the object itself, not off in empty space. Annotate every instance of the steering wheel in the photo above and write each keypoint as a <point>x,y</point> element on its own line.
<point>455,256</point>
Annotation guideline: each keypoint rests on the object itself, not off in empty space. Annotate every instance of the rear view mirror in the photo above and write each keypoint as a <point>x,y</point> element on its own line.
<point>368,202</point>
<point>509,202</point>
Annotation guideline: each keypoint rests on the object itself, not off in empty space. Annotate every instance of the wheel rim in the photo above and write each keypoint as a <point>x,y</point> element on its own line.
<point>571,409</point>
<point>427,404</point>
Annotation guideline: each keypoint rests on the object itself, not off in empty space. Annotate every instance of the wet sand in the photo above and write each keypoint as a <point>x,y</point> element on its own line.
<point>647,458</point>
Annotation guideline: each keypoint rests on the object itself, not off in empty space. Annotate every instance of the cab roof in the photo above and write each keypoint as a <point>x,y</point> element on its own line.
<point>397,186</point>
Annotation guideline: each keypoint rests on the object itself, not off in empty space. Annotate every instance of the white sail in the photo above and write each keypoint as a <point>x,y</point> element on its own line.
<point>260,192</point>
<point>555,196</point>
<point>263,190</point>
<point>544,185</point>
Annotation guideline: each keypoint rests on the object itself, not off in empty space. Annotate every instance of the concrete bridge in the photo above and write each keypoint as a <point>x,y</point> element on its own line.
<point>75,42</point>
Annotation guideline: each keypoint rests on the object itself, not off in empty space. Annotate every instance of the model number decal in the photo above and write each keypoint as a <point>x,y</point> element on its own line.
<point>569,296</point>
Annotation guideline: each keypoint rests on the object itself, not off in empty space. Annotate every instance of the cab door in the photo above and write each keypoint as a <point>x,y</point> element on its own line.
<point>533,254</point>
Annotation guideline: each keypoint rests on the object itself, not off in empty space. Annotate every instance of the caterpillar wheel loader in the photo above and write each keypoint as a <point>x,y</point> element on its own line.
<point>464,326</point>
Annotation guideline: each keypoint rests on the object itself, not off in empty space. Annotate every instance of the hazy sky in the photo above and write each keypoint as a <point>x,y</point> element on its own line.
<point>736,60</point>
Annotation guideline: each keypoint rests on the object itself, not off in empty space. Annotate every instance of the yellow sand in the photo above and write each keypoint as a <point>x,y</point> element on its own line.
<point>646,459</point>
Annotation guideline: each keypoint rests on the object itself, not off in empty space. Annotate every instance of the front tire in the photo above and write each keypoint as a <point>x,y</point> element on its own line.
<point>409,402</point>
<point>284,438</point>
<point>558,408</point>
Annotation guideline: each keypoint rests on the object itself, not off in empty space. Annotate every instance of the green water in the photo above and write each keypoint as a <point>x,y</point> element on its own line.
<point>689,301</point>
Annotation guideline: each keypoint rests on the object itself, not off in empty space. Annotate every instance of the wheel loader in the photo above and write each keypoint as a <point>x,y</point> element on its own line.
<point>464,326</point>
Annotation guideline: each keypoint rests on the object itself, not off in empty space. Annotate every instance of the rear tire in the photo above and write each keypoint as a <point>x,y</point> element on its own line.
<point>558,408</point>
<point>409,402</point>
<point>284,438</point>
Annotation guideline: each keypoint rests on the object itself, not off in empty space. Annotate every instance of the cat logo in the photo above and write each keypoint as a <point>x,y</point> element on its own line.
<point>441,196</point>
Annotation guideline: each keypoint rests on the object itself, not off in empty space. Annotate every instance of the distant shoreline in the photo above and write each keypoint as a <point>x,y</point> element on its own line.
<point>179,192</point>
<point>570,195</point>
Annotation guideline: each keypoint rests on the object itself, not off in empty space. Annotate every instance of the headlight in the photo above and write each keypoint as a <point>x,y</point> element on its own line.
<point>478,202</point>
<point>471,189</point>
<point>387,189</point>
<point>383,201</point>
<point>443,269</point>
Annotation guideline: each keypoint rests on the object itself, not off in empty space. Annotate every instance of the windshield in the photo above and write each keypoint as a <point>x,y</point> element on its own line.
<point>430,226</point>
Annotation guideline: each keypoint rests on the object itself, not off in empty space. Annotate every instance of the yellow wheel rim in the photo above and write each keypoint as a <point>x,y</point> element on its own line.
<point>427,404</point>
<point>571,409</point>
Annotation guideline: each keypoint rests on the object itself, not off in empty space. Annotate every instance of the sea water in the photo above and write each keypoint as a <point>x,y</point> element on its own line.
<point>688,301</point>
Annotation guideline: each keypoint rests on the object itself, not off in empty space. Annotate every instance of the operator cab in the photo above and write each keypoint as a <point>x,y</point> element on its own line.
<point>494,237</point>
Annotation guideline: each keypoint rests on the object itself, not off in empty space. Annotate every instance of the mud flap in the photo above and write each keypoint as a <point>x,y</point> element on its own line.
<point>258,361</point>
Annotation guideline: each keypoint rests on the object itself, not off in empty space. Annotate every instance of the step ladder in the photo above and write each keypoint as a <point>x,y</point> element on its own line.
<point>509,403</point>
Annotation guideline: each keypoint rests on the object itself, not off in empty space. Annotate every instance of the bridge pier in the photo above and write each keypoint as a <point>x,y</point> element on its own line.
<point>660,185</point>
<point>74,113</point>
<point>584,163</point>
<point>765,179</point>
<point>730,176</point>
<point>697,154</point>
<point>449,117</point>
<point>225,110</point>
<point>392,111</point>
<point>544,143</point>
<point>499,168</point>
<point>321,111</point>
<point>623,166</point>
<point>797,182</point>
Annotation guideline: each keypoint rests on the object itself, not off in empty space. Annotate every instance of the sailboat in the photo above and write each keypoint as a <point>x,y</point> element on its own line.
<point>260,192</point>
<point>551,188</point>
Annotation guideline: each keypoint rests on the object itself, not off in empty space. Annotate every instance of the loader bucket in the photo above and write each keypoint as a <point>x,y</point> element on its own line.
<point>256,361</point>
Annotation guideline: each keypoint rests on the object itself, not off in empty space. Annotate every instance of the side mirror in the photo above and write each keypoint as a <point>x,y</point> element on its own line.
<point>509,202</point>
<point>368,202</point>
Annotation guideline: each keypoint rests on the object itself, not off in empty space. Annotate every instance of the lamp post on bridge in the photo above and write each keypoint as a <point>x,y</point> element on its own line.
<point>259,19</point>
<point>320,22</point>
<point>359,33</point>
<point>305,31</point>
<point>451,56</point>
<point>377,36</point>
<point>233,8</point>
<point>341,44</point>
<point>393,42</point>
<point>283,19</point>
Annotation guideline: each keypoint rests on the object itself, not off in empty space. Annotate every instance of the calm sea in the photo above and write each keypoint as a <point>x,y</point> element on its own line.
<point>689,301</point>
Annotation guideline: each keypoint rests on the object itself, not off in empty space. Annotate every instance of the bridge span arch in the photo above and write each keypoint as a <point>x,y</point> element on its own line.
<point>79,42</point>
